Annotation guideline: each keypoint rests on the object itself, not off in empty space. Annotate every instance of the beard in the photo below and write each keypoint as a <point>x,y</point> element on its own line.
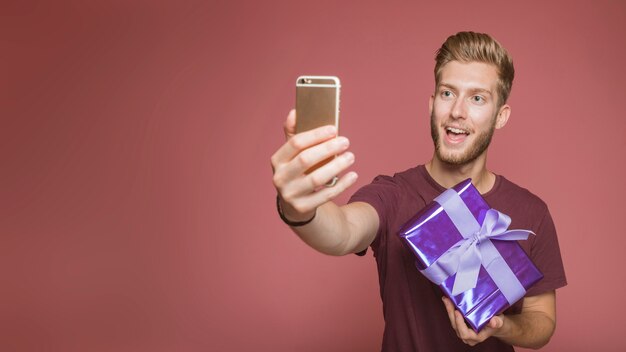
<point>472,151</point>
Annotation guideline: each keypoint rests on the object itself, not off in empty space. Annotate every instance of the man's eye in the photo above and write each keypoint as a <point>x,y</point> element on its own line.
<point>446,93</point>
<point>478,99</point>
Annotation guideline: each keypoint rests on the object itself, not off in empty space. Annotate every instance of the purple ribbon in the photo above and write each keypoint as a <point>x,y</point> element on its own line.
<point>475,249</point>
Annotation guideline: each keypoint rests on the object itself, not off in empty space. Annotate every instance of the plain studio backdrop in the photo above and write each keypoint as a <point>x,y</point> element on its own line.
<point>137,209</point>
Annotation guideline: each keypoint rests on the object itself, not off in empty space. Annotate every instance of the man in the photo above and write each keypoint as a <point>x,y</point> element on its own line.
<point>473,79</point>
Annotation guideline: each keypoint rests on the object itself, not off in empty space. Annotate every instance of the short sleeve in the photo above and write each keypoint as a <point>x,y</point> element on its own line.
<point>383,195</point>
<point>546,255</point>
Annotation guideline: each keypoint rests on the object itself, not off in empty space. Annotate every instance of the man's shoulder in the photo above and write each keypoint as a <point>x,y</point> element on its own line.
<point>406,184</point>
<point>408,175</point>
<point>404,179</point>
<point>512,192</point>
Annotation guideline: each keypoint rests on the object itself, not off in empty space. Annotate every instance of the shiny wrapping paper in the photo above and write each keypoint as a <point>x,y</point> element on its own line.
<point>431,233</point>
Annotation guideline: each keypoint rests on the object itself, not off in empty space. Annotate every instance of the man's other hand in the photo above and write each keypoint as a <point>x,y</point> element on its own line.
<point>466,334</point>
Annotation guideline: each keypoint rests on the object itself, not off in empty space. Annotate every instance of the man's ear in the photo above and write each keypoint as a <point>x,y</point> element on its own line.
<point>430,105</point>
<point>503,116</point>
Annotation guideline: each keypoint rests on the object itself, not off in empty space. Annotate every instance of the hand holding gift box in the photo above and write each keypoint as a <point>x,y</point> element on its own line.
<point>463,245</point>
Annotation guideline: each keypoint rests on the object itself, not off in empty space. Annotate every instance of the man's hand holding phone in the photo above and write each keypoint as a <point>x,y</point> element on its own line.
<point>300,192</point>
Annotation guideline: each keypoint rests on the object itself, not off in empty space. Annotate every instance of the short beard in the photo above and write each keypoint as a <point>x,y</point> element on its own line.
<point>475,150</point>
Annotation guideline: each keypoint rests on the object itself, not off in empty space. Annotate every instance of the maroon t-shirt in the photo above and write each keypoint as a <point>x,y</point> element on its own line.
<point>415,317</point>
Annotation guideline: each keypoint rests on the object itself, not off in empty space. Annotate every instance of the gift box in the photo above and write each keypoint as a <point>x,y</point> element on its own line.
<point>465,247</point>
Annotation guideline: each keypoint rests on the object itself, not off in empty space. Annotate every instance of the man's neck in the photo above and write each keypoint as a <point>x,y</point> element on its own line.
<point>449,175</point>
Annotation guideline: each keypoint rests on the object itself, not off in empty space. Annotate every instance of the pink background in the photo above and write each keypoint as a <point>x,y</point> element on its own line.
<point>137,210</point>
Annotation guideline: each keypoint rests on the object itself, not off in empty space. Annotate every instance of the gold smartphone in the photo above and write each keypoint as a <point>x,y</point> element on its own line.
<point>317,104</point>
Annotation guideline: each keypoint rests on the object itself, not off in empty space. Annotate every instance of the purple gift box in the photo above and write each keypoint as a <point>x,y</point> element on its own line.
<point>464,246</point>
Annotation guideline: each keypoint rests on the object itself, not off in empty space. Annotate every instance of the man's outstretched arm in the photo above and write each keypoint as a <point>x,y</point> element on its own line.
<point>334,230</point>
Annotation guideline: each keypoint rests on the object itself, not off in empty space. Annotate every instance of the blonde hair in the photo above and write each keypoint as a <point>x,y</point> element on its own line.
<point>479,47</point>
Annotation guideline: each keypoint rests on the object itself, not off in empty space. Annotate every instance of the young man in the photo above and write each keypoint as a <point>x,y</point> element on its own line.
<point>473,76</point>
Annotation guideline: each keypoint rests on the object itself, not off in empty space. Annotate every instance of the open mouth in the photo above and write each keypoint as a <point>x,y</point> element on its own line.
<point>456,135</point>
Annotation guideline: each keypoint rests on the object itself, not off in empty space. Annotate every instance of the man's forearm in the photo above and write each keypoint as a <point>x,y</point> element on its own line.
<point>340,230</point>
<point>528,329</point>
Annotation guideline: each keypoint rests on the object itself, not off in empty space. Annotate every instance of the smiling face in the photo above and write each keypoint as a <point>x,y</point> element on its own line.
<point>464,111</point>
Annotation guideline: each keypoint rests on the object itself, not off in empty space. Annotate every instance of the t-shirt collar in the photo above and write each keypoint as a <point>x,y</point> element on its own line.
<point>439,188</point>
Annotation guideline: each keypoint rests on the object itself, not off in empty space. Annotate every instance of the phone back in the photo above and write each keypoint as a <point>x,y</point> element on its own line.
<point>317,102</point>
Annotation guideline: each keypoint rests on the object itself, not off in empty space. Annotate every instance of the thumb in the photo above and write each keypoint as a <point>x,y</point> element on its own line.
<point>496,322</point>
<point>290,124</point>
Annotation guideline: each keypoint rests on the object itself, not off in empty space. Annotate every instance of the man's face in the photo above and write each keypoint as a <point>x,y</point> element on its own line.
<point>464,111</point>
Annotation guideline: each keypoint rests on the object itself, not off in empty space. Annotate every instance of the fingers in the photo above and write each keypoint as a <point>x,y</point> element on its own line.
<point>313,200</point>
<point>300,192</point>
<point>456,320</point>
<point>300,185</point>
<point>466,334</point>
<point>463,332</point>
<point>314,155</point>
<point>450,309</point>
<point>301,141</point>
<point>290,124</point>
<point>324,175</point>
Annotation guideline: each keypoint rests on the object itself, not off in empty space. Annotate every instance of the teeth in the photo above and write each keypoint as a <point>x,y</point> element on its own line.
<point>455,130</point>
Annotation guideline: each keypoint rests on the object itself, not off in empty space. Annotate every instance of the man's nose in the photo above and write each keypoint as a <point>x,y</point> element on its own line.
<point>459,109</point>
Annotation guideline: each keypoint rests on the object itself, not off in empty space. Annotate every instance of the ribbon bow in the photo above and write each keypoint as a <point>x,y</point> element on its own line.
<point>466,254</point>
<point>465,257</point>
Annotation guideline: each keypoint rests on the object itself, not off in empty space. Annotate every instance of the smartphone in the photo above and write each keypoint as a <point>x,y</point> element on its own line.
<point>317,104</point>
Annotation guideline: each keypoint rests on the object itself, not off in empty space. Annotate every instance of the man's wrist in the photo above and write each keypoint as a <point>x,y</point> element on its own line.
<point>288,221</point>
